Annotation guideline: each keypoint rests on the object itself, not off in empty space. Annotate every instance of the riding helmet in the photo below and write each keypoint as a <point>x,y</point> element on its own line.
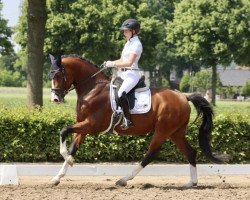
<point>130,24</point>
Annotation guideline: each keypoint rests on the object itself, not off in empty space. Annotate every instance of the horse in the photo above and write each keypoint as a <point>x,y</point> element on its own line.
<point>167,119</point>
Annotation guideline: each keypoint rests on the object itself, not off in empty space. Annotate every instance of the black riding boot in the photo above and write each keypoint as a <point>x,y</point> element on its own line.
<point>127,123</point>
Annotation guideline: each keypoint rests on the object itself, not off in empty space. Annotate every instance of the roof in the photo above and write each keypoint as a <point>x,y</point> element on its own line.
<point>234,77</point>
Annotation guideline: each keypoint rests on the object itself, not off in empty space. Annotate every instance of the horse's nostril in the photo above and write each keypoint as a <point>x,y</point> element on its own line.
<point>56,100</point>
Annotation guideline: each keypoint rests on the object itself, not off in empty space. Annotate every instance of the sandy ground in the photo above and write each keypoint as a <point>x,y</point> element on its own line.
<point>142,187</point>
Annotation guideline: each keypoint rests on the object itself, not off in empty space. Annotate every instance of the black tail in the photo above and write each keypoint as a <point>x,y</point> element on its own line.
<point>203,107</point>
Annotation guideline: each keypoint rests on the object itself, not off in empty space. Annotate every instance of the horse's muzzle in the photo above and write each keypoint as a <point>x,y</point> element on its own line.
<point>56,98</point>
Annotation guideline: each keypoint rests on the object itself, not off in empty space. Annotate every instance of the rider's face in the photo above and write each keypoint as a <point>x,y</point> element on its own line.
<point>127,33</point>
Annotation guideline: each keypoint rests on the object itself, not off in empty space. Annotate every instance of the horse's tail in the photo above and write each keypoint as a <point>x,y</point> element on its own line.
<point>203,107</point>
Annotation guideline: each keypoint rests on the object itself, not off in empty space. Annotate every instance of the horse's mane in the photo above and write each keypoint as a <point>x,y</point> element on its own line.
<point>80,57</point>
<point>88,61</point>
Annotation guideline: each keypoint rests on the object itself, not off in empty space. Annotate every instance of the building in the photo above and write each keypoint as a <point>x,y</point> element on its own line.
<point>234,77</point>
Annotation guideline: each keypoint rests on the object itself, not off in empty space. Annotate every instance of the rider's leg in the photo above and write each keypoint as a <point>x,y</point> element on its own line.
<point>128,84</point>
<point>127,123</point>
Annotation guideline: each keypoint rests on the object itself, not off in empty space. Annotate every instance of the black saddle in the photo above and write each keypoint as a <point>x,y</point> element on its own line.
<point>131,95</point>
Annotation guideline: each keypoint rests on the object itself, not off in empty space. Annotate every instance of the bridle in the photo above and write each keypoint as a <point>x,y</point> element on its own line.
<point>61,92</point>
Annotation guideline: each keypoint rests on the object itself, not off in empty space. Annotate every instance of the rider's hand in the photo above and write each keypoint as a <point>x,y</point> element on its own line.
<point>110,63</point>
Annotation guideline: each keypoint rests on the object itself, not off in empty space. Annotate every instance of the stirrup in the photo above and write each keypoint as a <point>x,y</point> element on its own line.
<point>126,124</point>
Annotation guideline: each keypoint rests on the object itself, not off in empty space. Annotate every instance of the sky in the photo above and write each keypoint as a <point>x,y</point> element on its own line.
<point>11,11</point>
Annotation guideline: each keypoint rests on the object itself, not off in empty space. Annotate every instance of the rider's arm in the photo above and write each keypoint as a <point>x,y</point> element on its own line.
<point>127,63</point>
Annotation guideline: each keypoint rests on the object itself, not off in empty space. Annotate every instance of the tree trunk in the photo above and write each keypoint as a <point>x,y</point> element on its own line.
<point>36,17</point>
<point>214,80</point>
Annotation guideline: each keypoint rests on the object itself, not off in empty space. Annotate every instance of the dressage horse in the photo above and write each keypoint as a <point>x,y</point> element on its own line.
<point>168,117</point>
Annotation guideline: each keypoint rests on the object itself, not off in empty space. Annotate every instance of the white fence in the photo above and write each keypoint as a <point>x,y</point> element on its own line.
<point>9,173</point>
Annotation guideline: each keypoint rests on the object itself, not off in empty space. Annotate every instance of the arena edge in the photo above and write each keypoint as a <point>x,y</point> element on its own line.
<point>32,136</point>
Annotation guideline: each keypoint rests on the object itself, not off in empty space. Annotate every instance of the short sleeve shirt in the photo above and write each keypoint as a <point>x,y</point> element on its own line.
<point>132,46</point>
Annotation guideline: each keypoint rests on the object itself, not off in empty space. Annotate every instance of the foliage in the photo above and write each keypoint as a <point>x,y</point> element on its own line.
<point>5,34</point>
<point>185,83</point>
<point>214,31</point>
<point>11,75</point>
<point>9,78</point>
<point>33,136</point>
<point>246,89</point>
<point>211,32</point>
<point>229,92</point>
<point>202,81</point>
<point>92,30</point>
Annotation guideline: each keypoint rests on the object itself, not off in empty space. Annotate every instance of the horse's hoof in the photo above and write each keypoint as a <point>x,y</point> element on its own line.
<point>70,160</point>
<point>189,185</point>
<point>54,181</point>
<point>121,182</point>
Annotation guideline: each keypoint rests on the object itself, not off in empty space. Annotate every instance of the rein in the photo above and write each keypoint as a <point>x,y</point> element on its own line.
<point>84,81</point>
<point>73,87</point>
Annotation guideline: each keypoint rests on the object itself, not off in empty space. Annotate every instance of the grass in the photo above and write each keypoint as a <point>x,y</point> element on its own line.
<point>12,97</point>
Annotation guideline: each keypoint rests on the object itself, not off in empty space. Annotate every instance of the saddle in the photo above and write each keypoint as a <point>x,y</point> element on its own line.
<point>139,101</point>
<point>131,94</point>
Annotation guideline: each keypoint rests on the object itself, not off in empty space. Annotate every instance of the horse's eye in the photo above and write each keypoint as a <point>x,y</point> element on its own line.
<point>57,76</point>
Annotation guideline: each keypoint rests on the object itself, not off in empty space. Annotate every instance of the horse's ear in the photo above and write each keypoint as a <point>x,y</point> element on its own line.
<point>52,58</point>
<point>55,63</point>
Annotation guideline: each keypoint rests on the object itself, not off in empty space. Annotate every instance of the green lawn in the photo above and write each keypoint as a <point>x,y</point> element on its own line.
<point>16,97</point>
<point>12,97</point>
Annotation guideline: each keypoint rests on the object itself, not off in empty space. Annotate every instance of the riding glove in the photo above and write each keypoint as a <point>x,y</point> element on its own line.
<point>110,63</point>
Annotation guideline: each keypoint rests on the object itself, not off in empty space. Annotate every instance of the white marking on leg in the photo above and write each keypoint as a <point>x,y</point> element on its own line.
<point>64,152</point>
<point>61,173</point>
<point>123,181</point>
<point>193,174</point>
<point>70,160</point>
<point>63,149</point>
<point>193,177</point>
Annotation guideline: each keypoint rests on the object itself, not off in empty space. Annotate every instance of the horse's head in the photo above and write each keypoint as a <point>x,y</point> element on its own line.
<point>73,70</point>
<point>59,80</point>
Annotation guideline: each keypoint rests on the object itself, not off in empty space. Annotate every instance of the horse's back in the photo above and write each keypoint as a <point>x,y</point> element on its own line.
<point>170,104</point>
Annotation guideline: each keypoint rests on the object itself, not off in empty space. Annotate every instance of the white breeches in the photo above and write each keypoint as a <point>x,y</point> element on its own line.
<point>130,81</point>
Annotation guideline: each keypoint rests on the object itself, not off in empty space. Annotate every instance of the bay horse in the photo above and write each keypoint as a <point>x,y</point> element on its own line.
<point>168,117</point>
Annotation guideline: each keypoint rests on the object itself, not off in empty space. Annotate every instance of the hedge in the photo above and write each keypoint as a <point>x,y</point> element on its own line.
<point>33,136</point>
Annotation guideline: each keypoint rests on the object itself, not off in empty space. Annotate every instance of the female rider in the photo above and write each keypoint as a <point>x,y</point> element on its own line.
<point>128,63</point>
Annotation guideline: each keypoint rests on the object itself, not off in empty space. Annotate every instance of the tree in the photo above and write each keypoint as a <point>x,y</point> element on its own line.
<point>185,83</point>
<point>36,17</point>
<point>5,34</point>
<point>91,29</point>
<point>246,89</point>
<point>212,32</point>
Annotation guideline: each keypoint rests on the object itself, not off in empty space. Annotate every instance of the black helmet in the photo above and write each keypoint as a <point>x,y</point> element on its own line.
<point>130,24</point>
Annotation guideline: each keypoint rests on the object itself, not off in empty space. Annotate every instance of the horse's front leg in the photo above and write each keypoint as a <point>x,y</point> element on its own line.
<point>56,180</point>
<point>63,147</point>
<point>68,155</point>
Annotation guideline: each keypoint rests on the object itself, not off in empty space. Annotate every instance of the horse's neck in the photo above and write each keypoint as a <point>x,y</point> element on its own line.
<point>88,79</point>
<point>91,87</point>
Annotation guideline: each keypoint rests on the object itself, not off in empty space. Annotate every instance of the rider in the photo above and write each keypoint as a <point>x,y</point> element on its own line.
<point>128,64</point>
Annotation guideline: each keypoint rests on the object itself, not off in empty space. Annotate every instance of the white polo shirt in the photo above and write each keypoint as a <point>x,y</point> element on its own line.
<point>132,46</point>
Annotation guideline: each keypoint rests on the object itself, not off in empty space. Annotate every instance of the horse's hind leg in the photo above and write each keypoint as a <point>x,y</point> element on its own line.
<point>189,152</point>
<point>153,151</point>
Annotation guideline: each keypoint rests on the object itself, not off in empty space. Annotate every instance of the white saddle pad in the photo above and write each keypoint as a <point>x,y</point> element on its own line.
<point>142,101</point>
